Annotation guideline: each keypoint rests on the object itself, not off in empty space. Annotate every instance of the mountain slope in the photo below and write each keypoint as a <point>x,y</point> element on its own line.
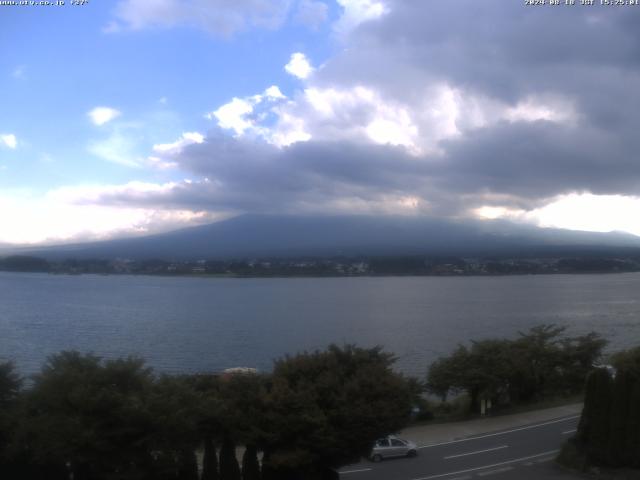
<point>279,235</point>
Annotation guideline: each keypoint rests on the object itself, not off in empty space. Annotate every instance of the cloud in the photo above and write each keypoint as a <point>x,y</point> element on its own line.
<point>219,17</point>
<point>101,115</point>
<point>311,13</point>
<point>164,152</point>
<point>9,140</point>
<point>243,115</point>
<point>356,12</point>
<point>67,215</point>
<point>299,66</point>
<point>119,147</point>
<point>187,138</point>
<point>441,108</point>
<point>233,115</point>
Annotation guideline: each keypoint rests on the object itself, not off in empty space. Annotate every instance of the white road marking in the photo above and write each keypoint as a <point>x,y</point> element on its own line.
<point>501,433</point>
<point>477,451</point>
<point>570,431</point>
<point>493,472</point>
<point>355,471</point>
<point>515,460</point>
<point>542,460</point>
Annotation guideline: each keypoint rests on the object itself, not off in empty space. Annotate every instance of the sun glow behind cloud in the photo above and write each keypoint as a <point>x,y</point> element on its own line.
<point>68,214</point>
<point>575,211</point>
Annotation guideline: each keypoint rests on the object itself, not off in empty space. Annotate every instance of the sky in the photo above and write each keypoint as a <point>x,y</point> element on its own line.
<point>130,117</point>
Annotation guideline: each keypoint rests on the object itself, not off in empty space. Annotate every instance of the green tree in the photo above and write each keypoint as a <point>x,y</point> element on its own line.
<point>174,407</point>
<point>609,428</point>
<point>325,409</point>
<point>10,384</point>
<point>250,464</point>
<point>229,468</point>
<point>209,460</point>
<point>481,371</point>
<point>627,364</point>
<point>537,364</point>
<point>593,429</point>
<point>210,419</point>
<point>88,416</point>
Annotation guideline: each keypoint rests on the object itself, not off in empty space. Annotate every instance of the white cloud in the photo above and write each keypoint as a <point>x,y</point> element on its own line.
<point>356,12</point>
<point>533,109</point>
<point>233,115</point>
<point>299,66</point>
<point>273,92</point>
<point>9,140</point>
<point>222,17</point>
<point>102,115</point>
<point>359,113</point>
<point>67,214</point>
<point>187,138</point>
<point>240,114</point>
<point>575,211</point>
<point>597,213</point>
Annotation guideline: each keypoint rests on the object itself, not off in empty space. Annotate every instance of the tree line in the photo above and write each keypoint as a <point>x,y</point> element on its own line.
<point>87,418</point>
<point>539,364</point>
<point>92,418</point>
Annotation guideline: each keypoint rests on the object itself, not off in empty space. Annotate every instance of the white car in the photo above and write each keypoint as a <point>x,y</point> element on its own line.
<point>392,446</point>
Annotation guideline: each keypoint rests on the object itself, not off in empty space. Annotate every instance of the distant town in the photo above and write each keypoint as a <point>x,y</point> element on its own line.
<point>318,267</point>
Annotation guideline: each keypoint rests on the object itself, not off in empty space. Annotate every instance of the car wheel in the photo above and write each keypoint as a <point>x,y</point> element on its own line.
<point>412,453</point>
<point>376,458</point>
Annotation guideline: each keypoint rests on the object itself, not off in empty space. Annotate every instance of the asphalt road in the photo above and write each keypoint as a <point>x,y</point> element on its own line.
<point>522,453</point>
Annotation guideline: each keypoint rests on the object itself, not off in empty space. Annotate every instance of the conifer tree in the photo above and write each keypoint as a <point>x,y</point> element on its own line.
<point>250,465</point>
<point>617,434</point>
<point>229,468</point>
<point>209,460</point>
<point>593,430</point>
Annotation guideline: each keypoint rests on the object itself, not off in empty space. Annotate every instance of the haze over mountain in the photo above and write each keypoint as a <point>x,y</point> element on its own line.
<point>289,236</point>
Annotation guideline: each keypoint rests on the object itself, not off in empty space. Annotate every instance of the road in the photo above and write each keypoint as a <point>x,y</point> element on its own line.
<point>524,452</point>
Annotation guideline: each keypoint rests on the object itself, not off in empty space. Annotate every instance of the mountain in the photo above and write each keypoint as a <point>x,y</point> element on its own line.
<point>289,236</point>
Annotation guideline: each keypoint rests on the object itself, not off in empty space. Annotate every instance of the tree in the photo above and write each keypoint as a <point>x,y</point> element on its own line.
<point>250,464</point>
<point>209,460</point>
<point>174,407</point>
<point>579,354</point>
<point>88,415</point>
<point>229,468</point>
<point>609,428</point>
<point>538,363</point>
<point>481,372</point>
<point>444,375</point>
<point>593,429</point>
<point>325,409</point>
<point>210,417</point>
<point>10,384</point>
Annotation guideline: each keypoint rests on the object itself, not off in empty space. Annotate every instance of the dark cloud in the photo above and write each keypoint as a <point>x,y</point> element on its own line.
<point>504,53</point>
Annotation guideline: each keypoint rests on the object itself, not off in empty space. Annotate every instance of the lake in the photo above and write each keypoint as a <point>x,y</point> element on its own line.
<point>188,324</point>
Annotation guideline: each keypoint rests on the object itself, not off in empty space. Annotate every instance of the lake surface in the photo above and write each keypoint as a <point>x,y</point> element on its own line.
<point>185,324</point>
